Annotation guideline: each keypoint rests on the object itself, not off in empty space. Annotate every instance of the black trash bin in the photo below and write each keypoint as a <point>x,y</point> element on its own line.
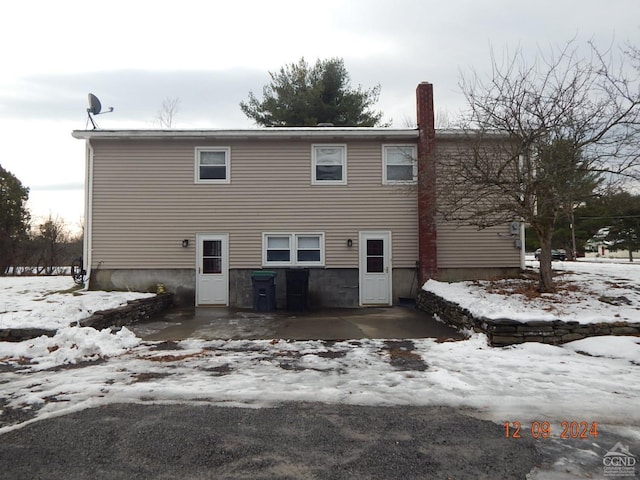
<point>298,290</point>
<point>264,290</point>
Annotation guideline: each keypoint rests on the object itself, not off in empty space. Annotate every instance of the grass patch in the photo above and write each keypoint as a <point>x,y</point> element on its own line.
<point>174,358</point>
<point>73,291</point>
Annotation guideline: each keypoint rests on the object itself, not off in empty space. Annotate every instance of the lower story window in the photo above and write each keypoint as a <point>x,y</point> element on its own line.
<point>278,248</point>
<point>293,249</point>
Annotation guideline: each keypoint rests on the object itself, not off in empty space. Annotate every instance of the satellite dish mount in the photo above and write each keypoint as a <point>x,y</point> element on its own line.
<point>95,108</point>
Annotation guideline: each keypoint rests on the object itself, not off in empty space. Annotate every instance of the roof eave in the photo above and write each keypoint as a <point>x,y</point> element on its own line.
<point>266,133</point>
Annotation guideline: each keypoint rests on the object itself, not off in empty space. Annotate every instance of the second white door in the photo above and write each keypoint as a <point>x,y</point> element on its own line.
<point>375,268</point>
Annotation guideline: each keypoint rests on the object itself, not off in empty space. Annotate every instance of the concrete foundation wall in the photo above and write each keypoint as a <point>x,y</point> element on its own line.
<point>180,282</point>
<point>405,284</point>
<point>337,287</point>
<point>462,274</point>
<point>327,288</point>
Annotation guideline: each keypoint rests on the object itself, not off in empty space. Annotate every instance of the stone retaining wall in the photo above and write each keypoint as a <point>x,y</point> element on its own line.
<point>134,311</point>
<point>19,334</point>
<point>510,332</point>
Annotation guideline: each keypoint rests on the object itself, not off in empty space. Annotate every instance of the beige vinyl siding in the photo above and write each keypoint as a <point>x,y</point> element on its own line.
<point>464,246</point>
<point>145,202</point>
<point>468,247</point>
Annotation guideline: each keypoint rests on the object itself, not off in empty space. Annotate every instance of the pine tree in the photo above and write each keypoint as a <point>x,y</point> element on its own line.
<point>14,217</point>
<point>300,95</point>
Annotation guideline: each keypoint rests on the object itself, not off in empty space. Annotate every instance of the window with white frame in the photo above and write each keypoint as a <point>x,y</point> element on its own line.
<point>399,164</point>
<point>292,249</point>
<point>213,165</point>
<point>329,164</point>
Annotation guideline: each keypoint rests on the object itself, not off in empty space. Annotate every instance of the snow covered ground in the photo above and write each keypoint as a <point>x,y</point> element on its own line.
<point>586,291</point>
<point>38,302</point>
<point>591,380</point>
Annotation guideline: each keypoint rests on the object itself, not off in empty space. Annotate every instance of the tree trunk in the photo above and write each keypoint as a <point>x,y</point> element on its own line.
<point>545,279</point>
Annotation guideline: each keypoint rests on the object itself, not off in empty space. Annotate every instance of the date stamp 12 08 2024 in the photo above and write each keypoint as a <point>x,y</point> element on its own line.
<point>565,430</point>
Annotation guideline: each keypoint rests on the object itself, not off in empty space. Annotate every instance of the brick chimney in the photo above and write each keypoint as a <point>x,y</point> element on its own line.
<point>427,248</point>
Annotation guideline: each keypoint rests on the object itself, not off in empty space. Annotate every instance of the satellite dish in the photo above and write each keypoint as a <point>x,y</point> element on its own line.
<point>94,105</point>
<point>95,108</point>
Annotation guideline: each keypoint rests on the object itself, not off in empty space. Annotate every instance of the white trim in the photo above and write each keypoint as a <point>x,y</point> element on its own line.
<point>87,244</point>
<point>385,180</point>
<point>266,133</point>
<point>315,181</point>
<point>293,249</point>
<point>227,164</point>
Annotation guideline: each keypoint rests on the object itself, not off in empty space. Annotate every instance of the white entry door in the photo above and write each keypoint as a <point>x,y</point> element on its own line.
<point>375,268</point>
<point>212,270</point>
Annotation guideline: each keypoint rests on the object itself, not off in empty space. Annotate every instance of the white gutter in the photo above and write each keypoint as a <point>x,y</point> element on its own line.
<point>87,247</point>
<point>263,133</point>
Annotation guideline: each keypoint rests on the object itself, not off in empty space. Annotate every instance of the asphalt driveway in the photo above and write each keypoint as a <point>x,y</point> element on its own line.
<point>291,441</point>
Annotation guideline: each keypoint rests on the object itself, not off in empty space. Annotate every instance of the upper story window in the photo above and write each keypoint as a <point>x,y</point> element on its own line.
<point>329,165</point>
<point>292,249</point>
<point>399,164</point>
<point>213,165</point>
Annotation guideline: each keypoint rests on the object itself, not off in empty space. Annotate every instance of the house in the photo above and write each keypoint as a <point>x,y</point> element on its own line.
<point>200,210</point>
<point>598,246</point>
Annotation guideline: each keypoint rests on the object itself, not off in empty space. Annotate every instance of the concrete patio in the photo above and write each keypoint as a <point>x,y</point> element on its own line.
<point>329,324</point>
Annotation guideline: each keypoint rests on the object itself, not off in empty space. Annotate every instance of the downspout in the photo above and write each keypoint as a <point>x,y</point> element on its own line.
<point>523,264</point>
<point>87,247</point>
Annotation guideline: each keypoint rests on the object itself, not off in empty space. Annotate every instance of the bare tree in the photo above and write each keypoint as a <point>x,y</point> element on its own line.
<point>167,114</point>
<point>50,246</point>
<point>540,137</point>
<point>444,119</point>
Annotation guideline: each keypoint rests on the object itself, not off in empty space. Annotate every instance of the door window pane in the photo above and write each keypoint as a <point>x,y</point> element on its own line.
<point>212,248</point>
<point>375,265</point>
<point>212,265</point>
<point>212,256</point>
<point>375,256</point>
<point>375,247</point>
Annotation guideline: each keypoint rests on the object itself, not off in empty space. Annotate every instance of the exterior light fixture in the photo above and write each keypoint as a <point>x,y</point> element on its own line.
<point>349,243</point>
<point>185,242</point>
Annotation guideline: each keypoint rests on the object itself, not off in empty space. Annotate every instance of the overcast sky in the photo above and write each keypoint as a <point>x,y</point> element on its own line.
<point>134,54</point>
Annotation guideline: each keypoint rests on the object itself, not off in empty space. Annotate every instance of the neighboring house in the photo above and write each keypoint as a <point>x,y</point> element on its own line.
<point>598,246</point>
<point>200,210</point>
